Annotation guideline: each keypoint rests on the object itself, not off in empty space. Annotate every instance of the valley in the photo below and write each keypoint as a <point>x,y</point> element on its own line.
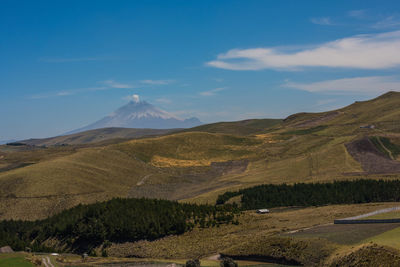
<point>42,178</point>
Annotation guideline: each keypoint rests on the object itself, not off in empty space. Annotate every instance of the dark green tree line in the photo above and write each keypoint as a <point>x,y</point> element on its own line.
<point>117,220</point>
<point>314,194</point>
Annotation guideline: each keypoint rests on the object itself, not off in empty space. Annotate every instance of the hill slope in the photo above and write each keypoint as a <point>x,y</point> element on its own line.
<point>97,135</point>
<point>245,127</point>
<point>198,166</point>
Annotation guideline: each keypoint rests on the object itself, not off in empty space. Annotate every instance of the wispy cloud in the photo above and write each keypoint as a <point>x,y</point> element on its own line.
<point>327,21</point>
<point>65,93</point>
<point>163,100</point>
<point>71,59</point>
<point>107,85</point>
<point>69,92</point>
<point>157,82</point>
<point>358,14</point>
<point>376,21</point>
<point>212,92</point>
<point>368,51</point>
<point>114,84</point>
<point>363,85</point>
<point>388,22</point>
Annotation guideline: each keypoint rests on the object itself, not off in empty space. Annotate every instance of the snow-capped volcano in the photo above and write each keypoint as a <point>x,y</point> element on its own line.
<point>140,114</point>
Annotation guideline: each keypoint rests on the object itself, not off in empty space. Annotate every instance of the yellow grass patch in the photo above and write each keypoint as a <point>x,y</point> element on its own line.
<point>160,161</point>
<point>390,238</point>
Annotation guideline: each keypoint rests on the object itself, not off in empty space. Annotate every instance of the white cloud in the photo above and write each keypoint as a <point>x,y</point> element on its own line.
<point>135,98</point>
<point>368,51</point>
<point>212,92</point>
<point>322,21</point>
<point>157,82</point>
<point>114,84</point>
<point>364,85</point>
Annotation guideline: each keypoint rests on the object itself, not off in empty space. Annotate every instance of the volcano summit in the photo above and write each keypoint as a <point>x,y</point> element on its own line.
<point>141,114</point>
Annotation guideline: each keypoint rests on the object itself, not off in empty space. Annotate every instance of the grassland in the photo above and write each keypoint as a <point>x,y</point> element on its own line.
<point>195,165</point>
<point>76,261</point>
<point>104,135</point>
<point>241,128</point>
<point>270,237</point>
<point>365,255</point>
<point>386,215</point>
<point>202,243</point>
<point>390,238</point>
<point>14,260</point>
<point>346,234</point>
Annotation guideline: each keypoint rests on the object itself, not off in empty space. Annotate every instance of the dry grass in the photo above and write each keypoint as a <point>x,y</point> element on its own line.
<point>366,255</point>
<point>62,177</point>
<point>206,242</point>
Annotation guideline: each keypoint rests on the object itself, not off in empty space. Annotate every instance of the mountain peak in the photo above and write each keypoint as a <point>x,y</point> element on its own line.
<point>141,114</point>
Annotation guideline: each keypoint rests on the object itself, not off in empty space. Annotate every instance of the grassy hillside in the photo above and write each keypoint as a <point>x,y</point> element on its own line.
<point>201,163</point>
<point>381,112</point>
<point>235,239</point>
<point>245,127</point>
<point>97,135</point>
<point>157,167</point>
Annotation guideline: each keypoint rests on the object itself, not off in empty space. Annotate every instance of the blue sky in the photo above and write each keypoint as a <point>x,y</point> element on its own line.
<point>65,64</point>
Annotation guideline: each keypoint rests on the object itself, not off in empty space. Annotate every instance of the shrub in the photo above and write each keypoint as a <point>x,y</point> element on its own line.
<point>228,262</point>
<point>193,263</point>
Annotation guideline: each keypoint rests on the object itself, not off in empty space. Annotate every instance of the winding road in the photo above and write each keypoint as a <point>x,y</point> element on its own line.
<point>46,261</point>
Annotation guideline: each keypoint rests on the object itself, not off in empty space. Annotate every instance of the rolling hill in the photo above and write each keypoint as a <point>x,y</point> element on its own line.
<point>198,164</point>
<point>245,127</point>
<point>98,135</point>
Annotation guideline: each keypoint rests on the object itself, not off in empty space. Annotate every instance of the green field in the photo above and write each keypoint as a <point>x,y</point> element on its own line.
<point>390,238</point>
<point>385,215</point>
<point>14,260</point>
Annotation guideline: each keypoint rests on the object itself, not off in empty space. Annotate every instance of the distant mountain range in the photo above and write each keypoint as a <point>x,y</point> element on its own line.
<point>2,142</point>
<point>140,114</point>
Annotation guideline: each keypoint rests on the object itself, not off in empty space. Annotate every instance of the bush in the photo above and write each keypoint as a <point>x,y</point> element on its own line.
<point>193,263</point>
<point>228,262</point>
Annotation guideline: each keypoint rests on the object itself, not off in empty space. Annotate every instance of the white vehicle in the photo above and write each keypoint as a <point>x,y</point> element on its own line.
<point>263,211</point>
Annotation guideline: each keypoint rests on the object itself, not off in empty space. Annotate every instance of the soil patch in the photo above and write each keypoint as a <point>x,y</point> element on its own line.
<point>346,234</point>
<point>318,120</point>
<point>372,160</point>
<point>194,183</point>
